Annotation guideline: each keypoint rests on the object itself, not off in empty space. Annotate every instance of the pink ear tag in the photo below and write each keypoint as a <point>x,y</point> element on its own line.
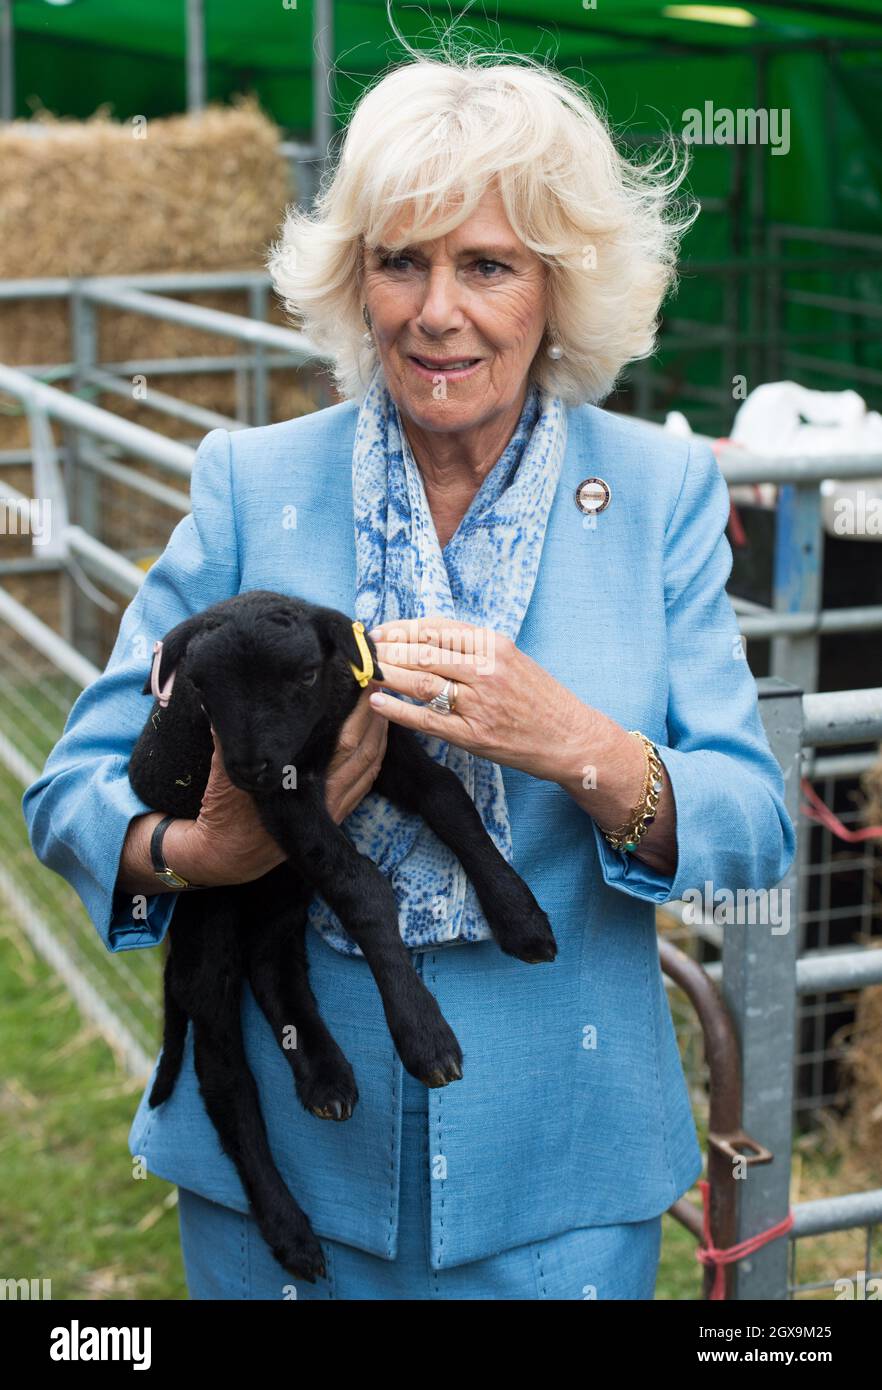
<point>162,695</point>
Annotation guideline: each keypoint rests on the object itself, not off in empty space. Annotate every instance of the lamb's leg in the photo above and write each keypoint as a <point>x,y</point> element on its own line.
<point>231,1099</point>
<point>174,1035</point>
<point>364,901</point>
<point>414,782</point>
<point>209,971</point>
<point>279,974</point>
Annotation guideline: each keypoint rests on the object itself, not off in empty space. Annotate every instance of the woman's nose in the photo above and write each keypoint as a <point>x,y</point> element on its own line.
<point>440,307</point>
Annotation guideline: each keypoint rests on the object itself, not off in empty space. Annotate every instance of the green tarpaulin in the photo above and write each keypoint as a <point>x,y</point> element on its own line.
<point>646,62</point>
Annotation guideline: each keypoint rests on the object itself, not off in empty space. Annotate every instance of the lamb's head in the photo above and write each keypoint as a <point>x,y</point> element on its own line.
<point>268,671</point>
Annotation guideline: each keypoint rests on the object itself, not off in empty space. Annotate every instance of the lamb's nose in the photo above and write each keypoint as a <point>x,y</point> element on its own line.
<point>254,773</point>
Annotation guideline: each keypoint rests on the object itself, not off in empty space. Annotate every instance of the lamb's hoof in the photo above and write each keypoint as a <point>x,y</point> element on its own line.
<point>426,1043</point>
<point>436,1058</point>
<point>449,1070</point>
<point>328,1090</point>
<point>303,1258</point>
<point>531,940</point>
<point>547,954</point>
<point>162,1089</point>
<point>333,1110</point>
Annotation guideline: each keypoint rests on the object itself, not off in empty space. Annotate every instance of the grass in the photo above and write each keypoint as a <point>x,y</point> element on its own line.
<point>130,979</point>
<point>71,1210</point>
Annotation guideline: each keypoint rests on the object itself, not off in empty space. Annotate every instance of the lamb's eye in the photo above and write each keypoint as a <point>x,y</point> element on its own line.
<point>309,678</point>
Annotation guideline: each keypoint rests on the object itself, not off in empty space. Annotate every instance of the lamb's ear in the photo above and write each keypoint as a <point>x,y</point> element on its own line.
<point>175,644</point>
<point>337,634</point>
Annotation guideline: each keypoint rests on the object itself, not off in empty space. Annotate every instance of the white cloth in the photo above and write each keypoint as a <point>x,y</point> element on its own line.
<point>782,419</point>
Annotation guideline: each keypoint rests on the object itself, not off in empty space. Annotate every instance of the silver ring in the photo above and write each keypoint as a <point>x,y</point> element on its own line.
<point>444,702</point>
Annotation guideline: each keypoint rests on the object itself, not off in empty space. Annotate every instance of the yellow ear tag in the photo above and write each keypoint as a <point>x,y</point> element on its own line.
<point>367,662</point>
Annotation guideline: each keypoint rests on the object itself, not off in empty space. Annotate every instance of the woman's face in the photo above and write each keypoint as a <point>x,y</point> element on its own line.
<point>476,295</point>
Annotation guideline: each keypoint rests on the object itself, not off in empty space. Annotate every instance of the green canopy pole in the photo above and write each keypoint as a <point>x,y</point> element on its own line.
<point>322,79</point>
<point>7,63</point>
<point>195,55</point>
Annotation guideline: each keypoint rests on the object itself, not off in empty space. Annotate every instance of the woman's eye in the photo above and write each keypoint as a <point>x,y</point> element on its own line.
<point>395,262</point>
<point>391,262</point>
<point>309,679</point>
<point>499,264</point>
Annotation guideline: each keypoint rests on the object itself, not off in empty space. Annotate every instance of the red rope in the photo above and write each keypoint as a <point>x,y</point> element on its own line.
<point>735,524</point>
<point>817,810</point>
<point>709,1254</point>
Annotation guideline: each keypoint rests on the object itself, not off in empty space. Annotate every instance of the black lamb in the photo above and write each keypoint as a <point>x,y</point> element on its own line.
<point>276,677</point>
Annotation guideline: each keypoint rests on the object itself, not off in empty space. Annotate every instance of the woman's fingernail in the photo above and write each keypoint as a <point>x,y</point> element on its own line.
<point>377,699</point>
<point>375,632</point>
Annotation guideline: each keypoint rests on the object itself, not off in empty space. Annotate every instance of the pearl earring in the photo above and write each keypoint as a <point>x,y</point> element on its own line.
<point>367,337</point>
<point>555,351</point>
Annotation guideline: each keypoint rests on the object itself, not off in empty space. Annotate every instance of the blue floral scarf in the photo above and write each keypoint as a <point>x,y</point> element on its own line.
<point>485,575</point>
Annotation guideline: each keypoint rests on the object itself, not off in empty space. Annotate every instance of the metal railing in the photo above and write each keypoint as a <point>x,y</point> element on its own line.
<point>757,332</point>
<point>196,67</point>
<point>762,976</point>
<point>794,623</point>
<point>96,438</point>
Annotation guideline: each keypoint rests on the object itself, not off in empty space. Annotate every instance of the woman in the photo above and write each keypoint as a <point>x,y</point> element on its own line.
<point>546,582</point>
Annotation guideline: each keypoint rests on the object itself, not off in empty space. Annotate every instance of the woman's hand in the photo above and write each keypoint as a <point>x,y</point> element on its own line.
<point>508,708</point>
<point>227,843</point>
<point>357,759</point>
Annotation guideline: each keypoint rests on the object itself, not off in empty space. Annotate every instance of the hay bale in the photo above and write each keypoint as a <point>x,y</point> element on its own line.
<point>871,787</point>
<point>102,197</point>
<point>196,193</point>
<point>864,1067</point>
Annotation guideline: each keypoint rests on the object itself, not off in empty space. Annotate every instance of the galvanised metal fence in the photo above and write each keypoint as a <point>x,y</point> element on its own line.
<point>794,621</point>
<point>797,309</point>
<point>763,976</point>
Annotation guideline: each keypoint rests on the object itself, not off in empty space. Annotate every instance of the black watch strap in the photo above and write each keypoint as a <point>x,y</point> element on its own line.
<point>160,868</point>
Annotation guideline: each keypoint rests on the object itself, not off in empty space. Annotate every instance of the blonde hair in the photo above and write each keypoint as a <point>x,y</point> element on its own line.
<point>430,137</point>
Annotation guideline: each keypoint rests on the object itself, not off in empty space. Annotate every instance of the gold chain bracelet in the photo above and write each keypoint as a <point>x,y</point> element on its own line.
<point>628,836</point>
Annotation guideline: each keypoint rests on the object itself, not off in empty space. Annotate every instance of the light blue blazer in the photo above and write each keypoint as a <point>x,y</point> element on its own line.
<point>573,1109</point>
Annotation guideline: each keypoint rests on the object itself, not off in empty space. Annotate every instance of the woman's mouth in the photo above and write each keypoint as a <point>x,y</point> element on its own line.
<point>452,369</point>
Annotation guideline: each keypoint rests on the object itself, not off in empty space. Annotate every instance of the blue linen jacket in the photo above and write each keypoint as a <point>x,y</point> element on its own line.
<point>573,1109</point>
